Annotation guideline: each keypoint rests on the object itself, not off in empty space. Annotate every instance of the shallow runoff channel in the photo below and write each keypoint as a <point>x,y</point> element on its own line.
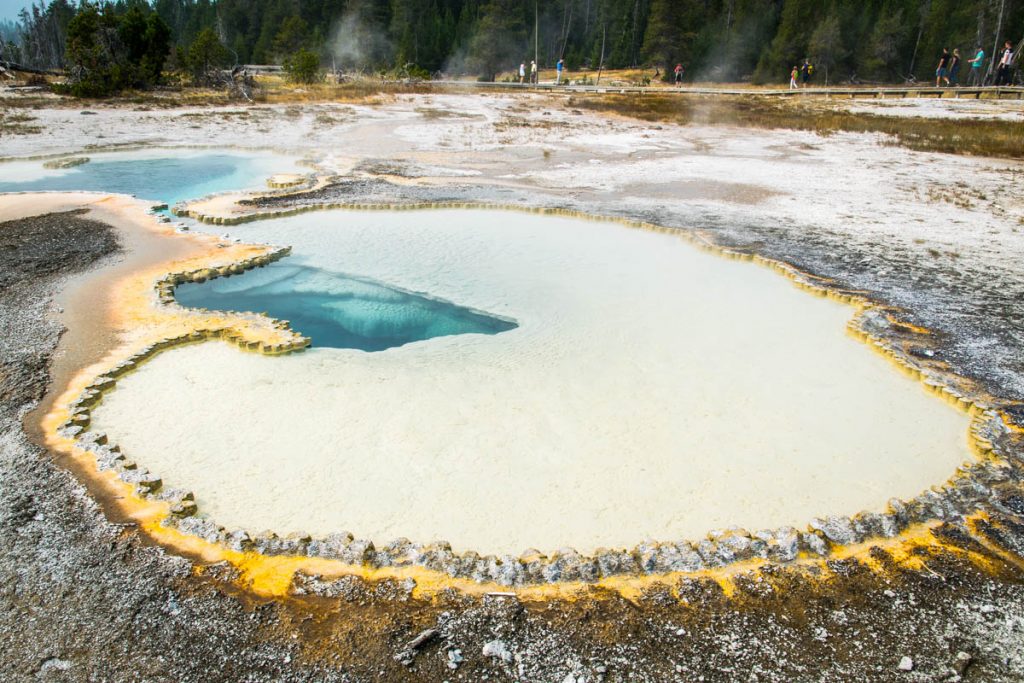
<point>649,390</point>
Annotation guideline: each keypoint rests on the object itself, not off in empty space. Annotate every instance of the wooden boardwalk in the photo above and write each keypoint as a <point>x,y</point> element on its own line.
<point>1009,92</point>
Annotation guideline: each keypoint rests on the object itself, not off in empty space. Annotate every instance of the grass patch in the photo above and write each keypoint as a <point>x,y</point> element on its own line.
<point>17,123</point>
<point>992,138</point>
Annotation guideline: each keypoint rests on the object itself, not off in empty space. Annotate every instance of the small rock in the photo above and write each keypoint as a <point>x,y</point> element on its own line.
<point>906,664</point>
<point>814,543</point>
<point>499,650</point>
<point>839,530</point>
<point>962,661</point>
<point>54,664</point>
<point>454,659</point>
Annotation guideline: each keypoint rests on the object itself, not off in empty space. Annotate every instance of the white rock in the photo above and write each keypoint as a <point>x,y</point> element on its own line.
<point>906,664</point>
<point>498,648</point>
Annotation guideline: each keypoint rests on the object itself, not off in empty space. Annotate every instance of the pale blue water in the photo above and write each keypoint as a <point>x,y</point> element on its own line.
<point>337,310</point>
<point>169,179</point>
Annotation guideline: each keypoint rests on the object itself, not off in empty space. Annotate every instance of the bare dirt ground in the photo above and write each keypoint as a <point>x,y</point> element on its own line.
<point>83,597</point>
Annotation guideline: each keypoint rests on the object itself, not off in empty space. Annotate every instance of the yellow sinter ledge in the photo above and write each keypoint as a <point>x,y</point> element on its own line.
<point>143,314</point>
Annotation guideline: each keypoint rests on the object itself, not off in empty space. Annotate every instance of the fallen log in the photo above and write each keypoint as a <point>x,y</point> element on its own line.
<point>14,66</point>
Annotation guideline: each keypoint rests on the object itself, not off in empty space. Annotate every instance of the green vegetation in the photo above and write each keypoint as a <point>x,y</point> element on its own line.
<point>303,66</point>
<point>204,56</point>
<point>716,40</point>
<point>107,52</point>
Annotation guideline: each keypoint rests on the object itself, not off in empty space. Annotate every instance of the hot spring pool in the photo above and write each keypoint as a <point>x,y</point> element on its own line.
<point>649,390</point>
<point>339,311</point>
<point>161,175</point>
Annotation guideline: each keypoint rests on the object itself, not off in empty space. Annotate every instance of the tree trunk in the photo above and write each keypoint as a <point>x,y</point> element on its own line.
<point>920,31</point>
<point>995,43</point>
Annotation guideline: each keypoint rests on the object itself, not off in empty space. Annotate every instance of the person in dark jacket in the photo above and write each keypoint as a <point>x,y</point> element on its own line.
<point>954,69</point>
<point>942,71</point>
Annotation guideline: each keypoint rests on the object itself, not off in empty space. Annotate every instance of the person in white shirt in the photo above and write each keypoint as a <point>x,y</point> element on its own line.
<point>522,72</point>
<point>1005,65</point>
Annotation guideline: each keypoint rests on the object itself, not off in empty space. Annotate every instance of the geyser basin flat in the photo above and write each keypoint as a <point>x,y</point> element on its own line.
<point>650,390</point>
<point>159,174</point>
<point>339,311</point>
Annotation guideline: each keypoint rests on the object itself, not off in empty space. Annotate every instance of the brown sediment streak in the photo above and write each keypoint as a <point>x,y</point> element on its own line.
<point>151,322</point>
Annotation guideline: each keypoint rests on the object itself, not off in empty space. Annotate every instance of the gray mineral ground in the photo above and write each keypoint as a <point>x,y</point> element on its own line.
<point>85,599</point>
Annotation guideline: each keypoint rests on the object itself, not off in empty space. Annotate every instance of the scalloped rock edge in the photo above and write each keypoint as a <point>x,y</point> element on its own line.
<point>965,493</point>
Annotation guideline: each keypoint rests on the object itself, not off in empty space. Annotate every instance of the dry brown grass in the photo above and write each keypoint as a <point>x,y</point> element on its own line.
<point>17,123</point>
<point>977,137</point>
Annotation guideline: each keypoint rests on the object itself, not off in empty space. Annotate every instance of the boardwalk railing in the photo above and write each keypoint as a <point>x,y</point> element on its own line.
<point>1011,92</point>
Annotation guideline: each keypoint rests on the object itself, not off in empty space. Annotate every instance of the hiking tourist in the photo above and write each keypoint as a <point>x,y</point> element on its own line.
<point>522,72</point>
<point>977,76</point>
<point>942,71</point>
<point>533,71</point>
<point>679,74</point>
<point>954,69</point>
<point>1005,65</point>
<point>792,78</point>
<point>806,69</point>
<point>558,69</point>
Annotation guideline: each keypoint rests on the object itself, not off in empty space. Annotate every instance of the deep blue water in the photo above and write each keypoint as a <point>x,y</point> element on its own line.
<point>170,179</point>
<point>336,310</point>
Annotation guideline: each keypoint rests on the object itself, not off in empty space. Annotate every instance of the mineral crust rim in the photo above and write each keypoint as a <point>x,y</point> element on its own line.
<point>171,515</point>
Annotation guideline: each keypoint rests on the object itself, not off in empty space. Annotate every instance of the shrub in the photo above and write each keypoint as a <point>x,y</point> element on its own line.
<point>303,66</point>
<point>205,56</point>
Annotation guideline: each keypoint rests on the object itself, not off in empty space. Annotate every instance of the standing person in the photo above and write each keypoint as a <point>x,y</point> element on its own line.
<point>558,70</point>
<point>792,78</point>
<point>977,77</point>
<point>1005,64</point>
<point>533,71</point>
<point>942,71</point>
<point>954,69</point>
<point>522,73</point>
<point>805,72</point>
<point>679,74</point>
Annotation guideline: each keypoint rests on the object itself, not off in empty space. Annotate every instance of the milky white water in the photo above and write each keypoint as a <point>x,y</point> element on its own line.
<point>650,390</point>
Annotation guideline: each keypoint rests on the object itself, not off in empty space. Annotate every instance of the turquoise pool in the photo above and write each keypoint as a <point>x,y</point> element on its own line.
<point>337,310</point>
<point>160,175</point>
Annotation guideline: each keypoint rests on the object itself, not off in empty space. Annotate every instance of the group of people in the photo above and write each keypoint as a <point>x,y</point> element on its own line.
<point>533,72</point>
<point>948,70</point>
<point>800,76</point>
<point>559,68</point>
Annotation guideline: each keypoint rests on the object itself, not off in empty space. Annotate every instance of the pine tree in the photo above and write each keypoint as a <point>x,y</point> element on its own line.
<point>663,35</point>
<point>789,46</point>
<point>881,58</point>
<point>500,39</point>
<point>826,44</point>
<point>293,35</point>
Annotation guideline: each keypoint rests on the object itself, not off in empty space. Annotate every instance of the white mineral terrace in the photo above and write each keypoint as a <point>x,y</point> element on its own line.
<point>650,390</point>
